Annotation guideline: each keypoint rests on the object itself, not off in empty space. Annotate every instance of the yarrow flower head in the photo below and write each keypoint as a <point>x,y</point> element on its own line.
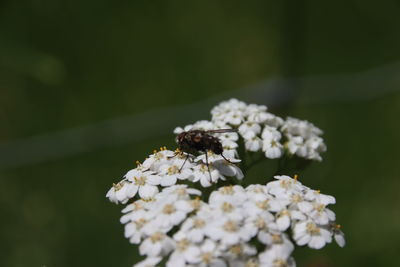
<point>192,207</point>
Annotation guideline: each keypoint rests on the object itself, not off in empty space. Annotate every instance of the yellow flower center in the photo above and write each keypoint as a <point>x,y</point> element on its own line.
<point>181,191</point>
<point>199,223</point>
<point>297,198</point>
<point>320,208</point>
<point>117,186</point>
<point>236,249</point>
<point>137,206</point>
<point>227,190</point>
<point>140,181</point>
<point>182,244</point>
<point>252,263</point>
<point>283,213</point>
<point>312,229</point>
<point>158,156</point>
<point>227,207</point>
<point>231,226</point>
<point>260,223</point>
<point>277,239</point>
<point>204,168</point>
<point>169,209</point>
<point>280,263</point>
<point>285,184</point>
<point>206,257</point>
<point>173,170</point>
<point>158,236</point>
<point>258,190</point>
<point>264,205</point>
<point>140,223</point>
<point>196,203</point>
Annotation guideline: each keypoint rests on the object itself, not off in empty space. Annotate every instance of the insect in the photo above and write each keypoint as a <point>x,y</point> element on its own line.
<point>195,141</point>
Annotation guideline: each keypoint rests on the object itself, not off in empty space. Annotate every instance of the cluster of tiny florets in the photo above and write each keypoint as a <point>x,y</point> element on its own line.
<point>257,224</point>
<point>165,168</point>
<point>262,131</point>
<point>180,214</point>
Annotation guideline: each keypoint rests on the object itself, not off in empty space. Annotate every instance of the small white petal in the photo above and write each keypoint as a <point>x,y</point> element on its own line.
<point>147,191</point>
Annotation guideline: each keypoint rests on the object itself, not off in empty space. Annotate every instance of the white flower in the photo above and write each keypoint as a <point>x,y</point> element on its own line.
<point>135,180</point>
<point>320,214</point>
<point>271,142</point>
<point>256,189</point>
<point>143,182</point>
<point>121,192</point>
<point>252,142</point>
<point>295,145</point>
<point>261,225</point>
<point>209,255</point>
<point>179,169</point>
<point>318,197</point>
<point>303,128</point>
<point>195,227</point>
<point>256,113</point>
<point>249,126</point>
<point>228,231</point>
<point>158,244</point>
<point>233,118</point>
<point>148,262</point>
<point>238,252</point>
<point>233,105</point>
<point>272,148</point>
<point>258,117</point>
<point>277,256</point>
<point>285,185</point>
<point>297,202</point>
<point>273,120</point>
<point>315,145</point>
<point>228,169</point>
<point>231,136</point>
<point>135,211</point>
<point>262,204</point>
<point>234,193</point>
<point>185,252</point>
<point>154,161</point>
<point>228,208</point>
<point>133,229</point>
<point>171,212</point>
<point>178,192</point>
<point>306,148</point>
<point>303,139</point>
<point>285,217</point>
<point>309,233</point>
<point>207,175</point>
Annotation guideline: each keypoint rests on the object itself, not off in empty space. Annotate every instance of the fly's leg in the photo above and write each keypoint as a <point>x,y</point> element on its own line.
<point>226,159</point>
<point>187,157</point>
<point>175,154</point>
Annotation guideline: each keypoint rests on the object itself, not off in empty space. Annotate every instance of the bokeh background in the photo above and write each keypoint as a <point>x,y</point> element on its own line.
<point>89,87</point>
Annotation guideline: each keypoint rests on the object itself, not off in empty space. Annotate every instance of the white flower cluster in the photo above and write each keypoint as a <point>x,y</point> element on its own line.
<point>165,168</point>
<point>176,224</point>
<point>262,130</point>
<point>237,226</point>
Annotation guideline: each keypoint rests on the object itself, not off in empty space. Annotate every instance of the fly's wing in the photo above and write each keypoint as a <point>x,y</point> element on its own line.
<point>221,131</point>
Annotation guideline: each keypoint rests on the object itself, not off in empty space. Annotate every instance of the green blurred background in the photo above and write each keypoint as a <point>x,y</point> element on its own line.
<point>88,87</point>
